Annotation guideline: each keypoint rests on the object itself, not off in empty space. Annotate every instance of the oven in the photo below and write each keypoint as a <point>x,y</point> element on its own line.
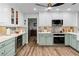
<point>59,38</point>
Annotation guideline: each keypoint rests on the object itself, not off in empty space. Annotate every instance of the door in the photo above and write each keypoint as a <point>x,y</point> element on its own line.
<point>32,30</point>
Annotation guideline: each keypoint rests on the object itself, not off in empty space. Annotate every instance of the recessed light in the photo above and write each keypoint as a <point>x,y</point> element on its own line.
<point>69,9</point>
<point>57,9</point>
<point>49,8</point>
<point>34,9</point>
<point>46,9</point>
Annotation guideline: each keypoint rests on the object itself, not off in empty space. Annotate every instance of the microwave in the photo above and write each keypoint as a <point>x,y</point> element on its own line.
<point>57,22</point>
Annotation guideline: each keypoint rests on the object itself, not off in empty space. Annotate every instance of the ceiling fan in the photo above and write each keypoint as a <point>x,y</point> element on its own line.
<point>49,5</point>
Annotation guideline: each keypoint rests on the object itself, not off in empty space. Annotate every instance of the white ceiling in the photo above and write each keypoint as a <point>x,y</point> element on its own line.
<point>28,7</point>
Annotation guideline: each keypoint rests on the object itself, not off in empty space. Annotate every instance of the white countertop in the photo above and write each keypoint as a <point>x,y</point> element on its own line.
<point>6,37</point>
<point>59,33</point>
<point>73,33</point>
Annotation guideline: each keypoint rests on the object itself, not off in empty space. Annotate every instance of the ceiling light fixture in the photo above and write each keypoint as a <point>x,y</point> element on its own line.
<point>69,9</point>
<point>34,9</point>
<point>57,9</point>
<point>49,8</point>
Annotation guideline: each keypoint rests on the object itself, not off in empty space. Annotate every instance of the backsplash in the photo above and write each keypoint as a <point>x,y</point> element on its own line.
<point>60,29</point>
<point>68,29</point>
<point>44,29</point>
<point>3,30</point>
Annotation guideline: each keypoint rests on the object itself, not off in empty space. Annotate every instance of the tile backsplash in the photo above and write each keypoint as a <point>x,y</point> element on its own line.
<point>57,29</point>
<point>44,29</point>
<point>3,30</point>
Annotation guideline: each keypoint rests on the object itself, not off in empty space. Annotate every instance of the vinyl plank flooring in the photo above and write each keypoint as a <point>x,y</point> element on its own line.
<point>32,49</point>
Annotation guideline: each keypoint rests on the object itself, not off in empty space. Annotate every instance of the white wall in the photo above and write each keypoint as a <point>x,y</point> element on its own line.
<point>69,18</point>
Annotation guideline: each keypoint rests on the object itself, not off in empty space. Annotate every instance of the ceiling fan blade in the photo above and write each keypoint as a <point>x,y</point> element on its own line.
<point>41,5</point>
<point>73,3</point>
<point>57,4</point>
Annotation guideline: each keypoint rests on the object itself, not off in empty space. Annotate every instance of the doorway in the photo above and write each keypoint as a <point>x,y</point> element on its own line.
<point>32,31</point>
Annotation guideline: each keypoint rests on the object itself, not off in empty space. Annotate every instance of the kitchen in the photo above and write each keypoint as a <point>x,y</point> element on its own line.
<point>57,29</point>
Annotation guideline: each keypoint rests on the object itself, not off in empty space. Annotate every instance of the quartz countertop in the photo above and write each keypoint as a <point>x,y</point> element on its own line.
<point>6,37</point>
<point>73,33</point>
<point>60,33</point>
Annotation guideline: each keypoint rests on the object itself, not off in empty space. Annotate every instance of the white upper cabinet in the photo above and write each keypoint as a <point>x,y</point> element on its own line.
<point>20,19</point>
<point>44,19</point>
<point>5,16</point>
<point>69,18</point>
<point>56,15</point>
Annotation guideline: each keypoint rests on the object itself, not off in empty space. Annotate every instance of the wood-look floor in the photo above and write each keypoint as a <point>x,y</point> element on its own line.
<point>32,49</point>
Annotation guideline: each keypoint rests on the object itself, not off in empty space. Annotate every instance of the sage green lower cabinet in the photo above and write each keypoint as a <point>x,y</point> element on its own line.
<point>74,41</point>
<point>45,39</point>
<point>49,39</point>
<point>25,38</point>
<point>71,39</point>
<point>77,45</point>
<point>7,48</point>
<point>67,39</point>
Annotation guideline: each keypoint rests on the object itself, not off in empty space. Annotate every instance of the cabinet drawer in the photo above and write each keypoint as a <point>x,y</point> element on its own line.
<point>9,48</point>
<point>3,44</point>
<point>78,46</point>
<point>2,52</point>
<point>10,41</point>
<point>11,53</point>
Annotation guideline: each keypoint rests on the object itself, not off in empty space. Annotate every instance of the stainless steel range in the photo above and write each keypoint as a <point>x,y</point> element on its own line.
<point>59,38</point>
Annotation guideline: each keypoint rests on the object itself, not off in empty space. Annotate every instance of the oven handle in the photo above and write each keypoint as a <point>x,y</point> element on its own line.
<point>58,36</point>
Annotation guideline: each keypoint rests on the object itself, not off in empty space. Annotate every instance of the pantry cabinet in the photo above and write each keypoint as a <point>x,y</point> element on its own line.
<point>45,39</point>
<point>7,48</point>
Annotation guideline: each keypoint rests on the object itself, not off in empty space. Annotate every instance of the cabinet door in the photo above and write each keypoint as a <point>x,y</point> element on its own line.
<point>71,40</point>
<point>11,53</point>
<point>67,39</point>
<point>49,39</point>
<point>9,46</point>
<point>42,39</point>
<point>2,52</point>
<point>74,41</point>
<point>25,38</point>
<point>78,45</point>
<point>44,19</point>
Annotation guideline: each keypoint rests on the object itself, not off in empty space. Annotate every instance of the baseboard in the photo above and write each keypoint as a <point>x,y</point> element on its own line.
<point>75,49</point>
